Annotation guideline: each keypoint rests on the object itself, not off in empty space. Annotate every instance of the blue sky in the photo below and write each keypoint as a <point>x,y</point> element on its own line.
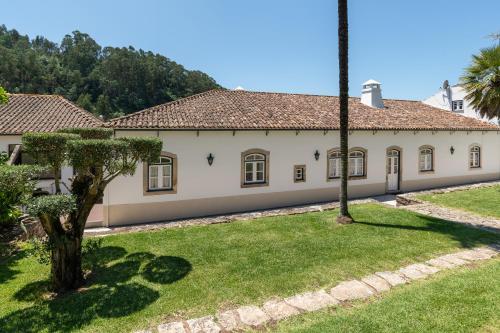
<point>282,45</point>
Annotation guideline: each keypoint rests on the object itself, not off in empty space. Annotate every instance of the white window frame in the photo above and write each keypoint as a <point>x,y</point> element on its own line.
<point>475,157</point>
<point>356,163</point>
<point>254,165</point>
<point>457,105</point>
<point>160,174</point>
<point>299,173</point>
<point>426,159</point>
<point>334,164</point>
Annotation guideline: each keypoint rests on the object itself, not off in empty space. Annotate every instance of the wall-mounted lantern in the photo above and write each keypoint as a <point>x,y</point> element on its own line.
<point>452,150</point>
<point>316,155</point>
<point>210,159</point>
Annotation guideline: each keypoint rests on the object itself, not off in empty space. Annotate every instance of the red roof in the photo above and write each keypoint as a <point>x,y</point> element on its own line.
<point>42,113</point>
<point>239,110</point>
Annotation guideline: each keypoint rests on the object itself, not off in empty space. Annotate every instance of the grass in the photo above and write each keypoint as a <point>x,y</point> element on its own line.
<point>465,300</point>
<point>148,277</point>
<point>483,201</point>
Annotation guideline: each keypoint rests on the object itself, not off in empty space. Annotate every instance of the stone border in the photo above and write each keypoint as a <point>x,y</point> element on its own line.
<point>274,310</point>
<point>410,198</point>
<point>293,210</point>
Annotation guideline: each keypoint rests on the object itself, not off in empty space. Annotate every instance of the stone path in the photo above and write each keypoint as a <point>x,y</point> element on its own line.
<point>411,202</point>
<point>456,215</point>
<point>248,317</point>
<point>222,218</point>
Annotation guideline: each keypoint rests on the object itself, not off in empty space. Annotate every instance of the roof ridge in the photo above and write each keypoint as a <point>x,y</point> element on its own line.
<point>317,95</point>
<point>34,94</point>
<point>177,101</point>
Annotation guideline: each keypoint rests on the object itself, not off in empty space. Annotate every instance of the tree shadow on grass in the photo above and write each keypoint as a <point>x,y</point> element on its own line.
<point>467,236</point>
<point>109,293</point>
<point>7,272</point>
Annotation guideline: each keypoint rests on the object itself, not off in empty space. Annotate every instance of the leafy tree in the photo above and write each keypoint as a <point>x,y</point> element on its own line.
<point>97,159</point>
<point>85,102</point>
<point>481,81</point>
<point>344,216</point>
<point>82,71</point>
<point>4,98</point>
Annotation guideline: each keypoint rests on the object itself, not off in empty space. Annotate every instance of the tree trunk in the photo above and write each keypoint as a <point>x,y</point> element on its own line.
<point>57,181</point>
<point>344,216</point>
<point>66,272</point>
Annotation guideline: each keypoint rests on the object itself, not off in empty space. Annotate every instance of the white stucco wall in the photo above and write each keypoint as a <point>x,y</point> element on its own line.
<point>45,184</point>
<point>197,180</point>
<point>443,99</point>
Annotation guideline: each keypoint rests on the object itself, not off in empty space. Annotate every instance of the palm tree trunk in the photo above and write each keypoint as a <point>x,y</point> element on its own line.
<point>344,216</point>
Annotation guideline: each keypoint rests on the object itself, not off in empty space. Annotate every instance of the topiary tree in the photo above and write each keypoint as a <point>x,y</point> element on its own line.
<point>97,159</point>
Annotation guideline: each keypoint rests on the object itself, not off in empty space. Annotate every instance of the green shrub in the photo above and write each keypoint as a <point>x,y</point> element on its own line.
<point>17,183</point>
<point>52,205</point>
<point>90,133</point>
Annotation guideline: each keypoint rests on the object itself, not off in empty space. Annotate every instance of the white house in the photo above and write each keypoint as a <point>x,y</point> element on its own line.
<point>452,98</point>
<point>39,113</point>
<point>228,151</point>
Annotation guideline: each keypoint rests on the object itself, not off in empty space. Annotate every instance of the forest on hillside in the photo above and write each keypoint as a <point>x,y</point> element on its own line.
<point>108,81</point>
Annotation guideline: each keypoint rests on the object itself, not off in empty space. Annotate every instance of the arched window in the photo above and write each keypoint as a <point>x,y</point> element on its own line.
<point>161,176</point>
<point>426,159</point>
<point>356,163</point>
<point>334,164</point>
<point>255,168</point>
<point>475,156</point>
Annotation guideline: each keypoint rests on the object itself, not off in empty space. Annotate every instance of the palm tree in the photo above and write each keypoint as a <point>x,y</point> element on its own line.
<point>344,216</point>
<point>481,81</point>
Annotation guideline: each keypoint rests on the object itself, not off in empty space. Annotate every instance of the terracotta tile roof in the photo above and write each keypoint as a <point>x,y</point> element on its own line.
<point>42,113</point>
<point>230,109</point>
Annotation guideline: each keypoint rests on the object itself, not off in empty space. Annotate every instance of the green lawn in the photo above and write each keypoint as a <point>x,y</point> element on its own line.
<point>484,201</point>
<point>148,277</point>
<point>466,300</point>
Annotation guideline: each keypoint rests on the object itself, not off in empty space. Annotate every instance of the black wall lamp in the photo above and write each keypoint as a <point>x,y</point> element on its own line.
<point>316,155</point>
<point>452,150</point>
<point>210,159</point>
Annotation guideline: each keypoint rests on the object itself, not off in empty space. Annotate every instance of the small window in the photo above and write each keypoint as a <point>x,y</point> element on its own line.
<point>160,178</point>
<point>457,105</point>
<point>356,163</point>
<point>255,168</point>
<point>426,159</point>
<point>334,164</point>
<point>475,157</point>
<point>299,173</point>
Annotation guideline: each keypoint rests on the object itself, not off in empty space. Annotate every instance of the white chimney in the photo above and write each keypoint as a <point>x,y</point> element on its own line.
<point>371,94</point>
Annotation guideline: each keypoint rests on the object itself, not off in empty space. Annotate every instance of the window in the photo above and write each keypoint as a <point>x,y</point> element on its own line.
<point>475,157</point>
<point>161,177</point>
<point>426,159</point>
<point>299,173</point>
<point>255,168</point>
<point>356,163</point>
<point>457,105</point>
<point>160,174</point>
<point>334,164</point>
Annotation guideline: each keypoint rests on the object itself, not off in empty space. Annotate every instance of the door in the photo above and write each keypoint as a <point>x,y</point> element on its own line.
<point>393,170</point>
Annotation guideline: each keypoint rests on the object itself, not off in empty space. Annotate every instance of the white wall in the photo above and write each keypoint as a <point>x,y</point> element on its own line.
<point>196,179</point>
<point>45,184</point>
<point>443,100</point>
